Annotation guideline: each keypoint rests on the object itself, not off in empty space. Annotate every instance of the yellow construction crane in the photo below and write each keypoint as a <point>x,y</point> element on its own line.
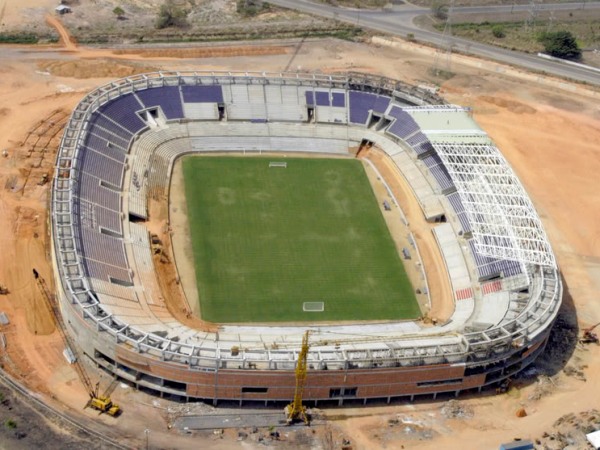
<point>296,411</point>
<point>99,402</point>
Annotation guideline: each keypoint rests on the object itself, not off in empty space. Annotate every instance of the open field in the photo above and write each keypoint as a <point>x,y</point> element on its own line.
<point>266,240</point>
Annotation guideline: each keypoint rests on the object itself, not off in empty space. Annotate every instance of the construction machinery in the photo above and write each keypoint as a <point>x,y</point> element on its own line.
<point>589,337</point>
<point>296,411</point>
<point>97,401</point>
<point>3,290</point>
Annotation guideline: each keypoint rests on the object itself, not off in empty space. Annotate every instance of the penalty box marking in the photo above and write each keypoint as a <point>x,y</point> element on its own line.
<point>313,306</point>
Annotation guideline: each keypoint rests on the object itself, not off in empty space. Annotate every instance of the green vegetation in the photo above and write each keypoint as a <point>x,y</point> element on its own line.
<point>250,8</point>
<point>10,424</point>
<point>439,9</point>
<point>18,38</point>
<point>266,240</point>
<point>533,37</point>
<point>561,44</point>
<point>171,14</point>
<point>498,31</point>
<point>119,12</point>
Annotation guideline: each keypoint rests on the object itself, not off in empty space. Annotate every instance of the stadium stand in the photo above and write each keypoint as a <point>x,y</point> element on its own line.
<point>114,306</point>
<point>168,98</point>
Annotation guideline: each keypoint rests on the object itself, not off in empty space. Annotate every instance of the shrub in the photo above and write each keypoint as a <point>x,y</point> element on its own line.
<point>171,15</point>
<point>498,31</point>
<point>119,12</point>
<point>10,423</point>
<point>20,38</point>
<point>561,44</point>
<point>250,8</point>
<point>439,10</point>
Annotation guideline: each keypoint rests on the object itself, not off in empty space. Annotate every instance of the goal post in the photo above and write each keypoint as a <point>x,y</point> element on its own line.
<point>313,306</point>
<point>280,164</point>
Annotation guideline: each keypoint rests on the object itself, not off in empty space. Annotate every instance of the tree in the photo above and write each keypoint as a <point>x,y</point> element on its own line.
<point>119,12</point>
<point>439,10</point>
<point>561,44</point>
<point>171,15</point>
<point>498,31</point>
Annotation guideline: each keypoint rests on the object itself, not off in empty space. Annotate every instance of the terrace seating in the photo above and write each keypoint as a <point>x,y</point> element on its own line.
<point>167,97</point>
<point>202,94</point>
<point>90,189</point>
<point>102,166</point>
<point>361,103</point>
<point>102,125</point>
<point>404,125</point>
<point>420,144</point>
<point>122,111</point>
<point>439,172</point>
<point>488,267</point>
<point>107,144</point>
<point>459,209</point>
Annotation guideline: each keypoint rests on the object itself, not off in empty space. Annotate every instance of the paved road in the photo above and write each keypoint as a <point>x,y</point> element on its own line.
<point>398,21</point>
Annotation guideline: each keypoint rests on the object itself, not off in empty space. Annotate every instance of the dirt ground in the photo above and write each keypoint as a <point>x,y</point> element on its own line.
<point>548,133</point>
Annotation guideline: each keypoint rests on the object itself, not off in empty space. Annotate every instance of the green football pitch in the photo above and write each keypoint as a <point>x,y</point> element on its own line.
<point>269,243</point>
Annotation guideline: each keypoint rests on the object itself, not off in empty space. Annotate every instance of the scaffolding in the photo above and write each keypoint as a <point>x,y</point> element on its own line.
<point>504,222</point>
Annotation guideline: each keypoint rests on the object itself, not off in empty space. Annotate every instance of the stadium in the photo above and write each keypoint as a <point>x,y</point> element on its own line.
<point>118,153</point>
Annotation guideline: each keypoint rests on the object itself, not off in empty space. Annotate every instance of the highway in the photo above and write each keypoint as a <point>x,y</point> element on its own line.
<point>398,21</point>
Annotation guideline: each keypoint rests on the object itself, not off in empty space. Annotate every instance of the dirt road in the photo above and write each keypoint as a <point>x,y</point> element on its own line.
<point>65,37</point>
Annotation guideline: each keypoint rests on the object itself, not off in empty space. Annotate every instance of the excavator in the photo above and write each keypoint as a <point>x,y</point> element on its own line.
<point>97,401</point>
<point>296,411</point>
<point>588,336</point>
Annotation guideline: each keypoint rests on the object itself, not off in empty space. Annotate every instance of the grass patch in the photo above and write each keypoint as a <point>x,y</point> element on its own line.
<point>518,35</point>
<point>266,240</point>
<point>18,38</point>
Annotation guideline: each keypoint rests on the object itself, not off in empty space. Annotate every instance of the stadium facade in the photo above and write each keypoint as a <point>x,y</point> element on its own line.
<point>118,151</point>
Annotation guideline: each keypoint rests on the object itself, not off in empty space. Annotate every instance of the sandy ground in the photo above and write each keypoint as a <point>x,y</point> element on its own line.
<point>548,134</point>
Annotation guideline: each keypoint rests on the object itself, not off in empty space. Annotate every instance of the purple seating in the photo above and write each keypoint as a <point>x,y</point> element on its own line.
<point>202,94</point>
<point>101,124</point>
<point>322,98</point>
<point>338,99</point>
<point>488,267</point>
<point>439,172</point>
<point>310,98</point>
<point>89,189</point>
<point>104,146</point>
<point>360,104</point>
<point>123,112</point>
<point>404,125</point>
<point>167,97</point>
<point>106,272</point>
<point>108,219</point>
<point>381,104</point>
<point>103,167</point>
<point>459,209</point>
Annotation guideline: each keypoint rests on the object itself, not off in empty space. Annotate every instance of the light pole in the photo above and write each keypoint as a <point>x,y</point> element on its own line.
<point>146,431</point>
